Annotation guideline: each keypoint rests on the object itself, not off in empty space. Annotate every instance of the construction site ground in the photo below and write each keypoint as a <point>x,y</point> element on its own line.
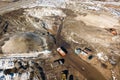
<point>77,24</point>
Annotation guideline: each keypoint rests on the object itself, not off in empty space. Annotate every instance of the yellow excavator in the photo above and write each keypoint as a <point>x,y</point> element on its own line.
<point>63,76</point>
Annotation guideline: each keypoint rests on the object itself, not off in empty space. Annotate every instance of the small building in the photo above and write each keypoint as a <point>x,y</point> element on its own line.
<point>58,62</point>
<point>78,50</point>
<point>86,53</point>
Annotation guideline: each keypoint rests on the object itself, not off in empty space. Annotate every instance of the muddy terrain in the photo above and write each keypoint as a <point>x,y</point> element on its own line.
<point>31,32</point>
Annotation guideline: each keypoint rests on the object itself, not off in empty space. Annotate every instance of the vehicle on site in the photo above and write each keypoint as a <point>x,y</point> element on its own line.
<point>60,61</point>
<point>62,51</point>
<point>71,77</point>
<point>112,30</point>
<point>90,57</point>
<point>57,62</point>
<point>63,76</point>
<point>87,50</point>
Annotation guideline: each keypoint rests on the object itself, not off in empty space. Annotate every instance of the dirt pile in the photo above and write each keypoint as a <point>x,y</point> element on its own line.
<point>22,43</point>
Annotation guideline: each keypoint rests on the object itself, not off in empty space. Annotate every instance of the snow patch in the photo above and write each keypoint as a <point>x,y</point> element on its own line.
<point>49,3</point>
<point>6,63</point>
<point>93,8</point>
<point>115,12</point>
<point>102,3</point>
<point>44,12</point>
<point>44,54</point>
<point>14,76</point>
<point>102,56</point>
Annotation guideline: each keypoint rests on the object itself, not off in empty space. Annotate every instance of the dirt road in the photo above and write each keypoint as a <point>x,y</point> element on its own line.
<point>72,59</point>
<point>89,71</point>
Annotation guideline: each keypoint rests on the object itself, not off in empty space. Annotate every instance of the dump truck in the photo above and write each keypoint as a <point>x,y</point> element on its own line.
<point>62,51</point>
<point>63,77</point>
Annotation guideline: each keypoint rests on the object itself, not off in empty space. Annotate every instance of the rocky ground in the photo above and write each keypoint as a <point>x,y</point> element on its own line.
<point>45,25</point>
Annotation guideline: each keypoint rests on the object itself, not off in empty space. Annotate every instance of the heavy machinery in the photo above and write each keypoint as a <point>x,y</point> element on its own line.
<point>62,51</point>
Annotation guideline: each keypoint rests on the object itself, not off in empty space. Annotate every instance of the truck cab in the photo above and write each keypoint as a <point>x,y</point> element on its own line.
<point>62,51</point>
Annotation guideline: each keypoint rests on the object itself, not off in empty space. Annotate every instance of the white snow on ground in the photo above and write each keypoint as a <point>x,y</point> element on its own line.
<point>115,12</point>
<point>6,63</point>
<point>39,13</point>
<point>39,25</point>
<point>96,5</point>
<point>99,2</point>
<point>33,3</point>
<point>44,54</point>
<point>25,76</point>
<point>112,3</point>
<point>50,3</point>
<point>93,8</point>
<point>14,76</point>
<point>102,56</point>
